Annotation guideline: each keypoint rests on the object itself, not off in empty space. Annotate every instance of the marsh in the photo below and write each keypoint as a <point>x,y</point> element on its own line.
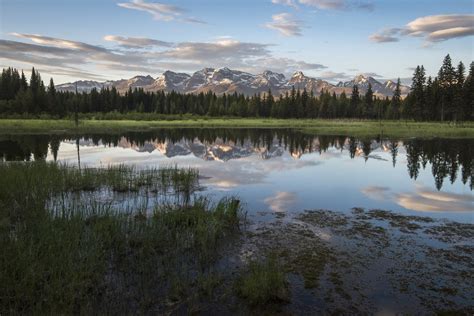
<point>179,220</point>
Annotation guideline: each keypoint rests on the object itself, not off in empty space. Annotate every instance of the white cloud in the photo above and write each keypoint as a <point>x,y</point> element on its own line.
<point>372,74</point>
<point>290,3</point>
<point>61,43</point>
<point>159,11</point>
<point>325,4</point>
<point>385,36</point>
<point>339,4</point>
<point>136,42</point>
<point>285,24</point>
<point>434,28</point>
<point>335,76</point>
<point>222,49</point>
<point>286,66</point>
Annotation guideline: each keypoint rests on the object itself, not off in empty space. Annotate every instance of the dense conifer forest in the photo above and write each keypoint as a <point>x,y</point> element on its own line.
<point>447,97</point>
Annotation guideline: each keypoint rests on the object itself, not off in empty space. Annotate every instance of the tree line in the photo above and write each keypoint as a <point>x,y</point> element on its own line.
<point>449,96</point>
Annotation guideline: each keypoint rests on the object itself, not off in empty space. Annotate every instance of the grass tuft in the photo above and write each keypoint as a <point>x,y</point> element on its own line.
<point>263,283</point>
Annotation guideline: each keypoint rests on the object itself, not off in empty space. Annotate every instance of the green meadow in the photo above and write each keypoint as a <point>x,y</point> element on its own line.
<point>318,126</point>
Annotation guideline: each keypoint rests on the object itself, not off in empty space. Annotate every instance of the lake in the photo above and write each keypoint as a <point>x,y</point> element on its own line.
<point>284,170</point>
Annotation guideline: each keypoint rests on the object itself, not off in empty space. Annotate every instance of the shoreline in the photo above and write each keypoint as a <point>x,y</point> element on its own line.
<point>359,128</point>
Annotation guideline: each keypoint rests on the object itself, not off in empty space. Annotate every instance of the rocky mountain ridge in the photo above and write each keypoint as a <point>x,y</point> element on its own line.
<point>225,80</point>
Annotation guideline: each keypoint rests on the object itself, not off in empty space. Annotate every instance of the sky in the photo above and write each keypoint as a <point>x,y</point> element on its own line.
<point>330,39</point>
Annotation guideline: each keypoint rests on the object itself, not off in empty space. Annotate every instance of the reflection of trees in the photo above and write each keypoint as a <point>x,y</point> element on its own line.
<point>393,146</point>
<point>448,158</point>
<point>23,147</point>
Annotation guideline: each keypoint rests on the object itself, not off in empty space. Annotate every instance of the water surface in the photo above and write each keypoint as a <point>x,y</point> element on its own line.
<point>283,170</point>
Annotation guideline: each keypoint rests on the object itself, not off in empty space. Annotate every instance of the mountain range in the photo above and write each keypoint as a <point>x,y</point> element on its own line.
<point>225,80</point>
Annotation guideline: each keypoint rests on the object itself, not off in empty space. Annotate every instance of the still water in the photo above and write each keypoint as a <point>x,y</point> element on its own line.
<point>284,170</point>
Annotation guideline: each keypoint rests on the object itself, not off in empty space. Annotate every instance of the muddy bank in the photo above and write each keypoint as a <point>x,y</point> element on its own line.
<point>366,262</point>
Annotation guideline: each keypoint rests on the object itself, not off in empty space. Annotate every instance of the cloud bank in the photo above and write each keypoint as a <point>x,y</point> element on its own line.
<point>434,28</point>
<point>142,55</point>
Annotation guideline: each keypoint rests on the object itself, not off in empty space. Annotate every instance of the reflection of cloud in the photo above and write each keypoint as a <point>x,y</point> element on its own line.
<point>247,171</point>
<point>281,201</point>
<point>424,199</point>
<point>376,192</point>
<point>427,200</point>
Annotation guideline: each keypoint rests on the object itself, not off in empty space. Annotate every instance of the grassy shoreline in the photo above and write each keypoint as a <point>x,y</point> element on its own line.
<point>317,126</point>
<point>66,249</point>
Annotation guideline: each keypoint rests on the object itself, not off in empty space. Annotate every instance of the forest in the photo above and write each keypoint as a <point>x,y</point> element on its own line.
<point>446,97</point>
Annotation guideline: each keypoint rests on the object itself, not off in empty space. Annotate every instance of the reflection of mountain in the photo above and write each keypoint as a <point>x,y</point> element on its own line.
<point>447,158</point>
<point>225,151</point>
<point>216,151</point>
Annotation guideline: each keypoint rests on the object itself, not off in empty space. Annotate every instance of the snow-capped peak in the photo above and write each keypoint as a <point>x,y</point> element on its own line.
<point>225,80</point>
<point>298,74</point>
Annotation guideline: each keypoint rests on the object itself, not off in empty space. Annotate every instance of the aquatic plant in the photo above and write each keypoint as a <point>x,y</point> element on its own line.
<point>66,249</point>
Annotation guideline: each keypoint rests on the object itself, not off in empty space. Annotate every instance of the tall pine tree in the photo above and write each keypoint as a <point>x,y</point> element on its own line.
<point>418,94</point>
<point>447,80</point>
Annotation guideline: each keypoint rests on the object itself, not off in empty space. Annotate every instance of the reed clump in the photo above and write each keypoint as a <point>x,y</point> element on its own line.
<point>63,253</point>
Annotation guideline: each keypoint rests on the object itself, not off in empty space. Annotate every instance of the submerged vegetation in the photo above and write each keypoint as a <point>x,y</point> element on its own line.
<point>62,254</point>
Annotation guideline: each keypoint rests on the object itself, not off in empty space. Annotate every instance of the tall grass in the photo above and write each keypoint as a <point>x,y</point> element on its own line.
<point>62,254</point>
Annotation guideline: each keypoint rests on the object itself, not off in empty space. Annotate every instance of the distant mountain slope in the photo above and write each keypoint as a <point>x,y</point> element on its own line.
<point>225,80</point>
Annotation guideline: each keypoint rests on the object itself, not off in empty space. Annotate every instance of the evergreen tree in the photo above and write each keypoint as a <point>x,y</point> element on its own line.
<point>458,106</point>
<point>369,102</point>
<point>394,112</point>
<point>418,94</point>
<point>355,100</point>
<point>447,80</point>
<point>342,104</point>
<point>23,82</point>
<point>52,100</point>
<point>468,89</point>
<point>431,102</point>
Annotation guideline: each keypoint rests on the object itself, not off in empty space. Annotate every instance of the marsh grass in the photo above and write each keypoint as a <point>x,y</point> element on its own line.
<point>263,282</point>
<point>358,128</point>
<point>80,255</point>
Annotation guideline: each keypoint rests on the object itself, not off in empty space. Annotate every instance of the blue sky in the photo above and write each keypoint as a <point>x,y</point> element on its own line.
<point>331,39</point>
